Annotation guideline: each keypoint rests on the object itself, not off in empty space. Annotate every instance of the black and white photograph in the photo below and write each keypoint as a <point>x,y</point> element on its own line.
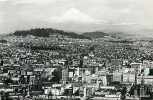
<point>76,50</point>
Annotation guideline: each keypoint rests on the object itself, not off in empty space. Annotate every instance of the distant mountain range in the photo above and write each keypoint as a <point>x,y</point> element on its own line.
<point>46,32</point>
<point>95,34</point>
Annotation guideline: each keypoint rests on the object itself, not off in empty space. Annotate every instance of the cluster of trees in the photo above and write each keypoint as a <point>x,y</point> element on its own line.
<point>3,41</point>
<point>47,48</point>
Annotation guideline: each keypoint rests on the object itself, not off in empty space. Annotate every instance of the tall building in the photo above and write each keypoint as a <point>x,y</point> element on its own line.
<point>65,75</point>
<point>117,76</point>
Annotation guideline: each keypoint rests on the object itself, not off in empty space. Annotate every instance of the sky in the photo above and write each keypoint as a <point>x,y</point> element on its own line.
<point>77,15</point>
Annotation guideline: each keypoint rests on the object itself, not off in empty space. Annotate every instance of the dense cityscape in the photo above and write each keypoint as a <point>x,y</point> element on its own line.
<point>60,67</point>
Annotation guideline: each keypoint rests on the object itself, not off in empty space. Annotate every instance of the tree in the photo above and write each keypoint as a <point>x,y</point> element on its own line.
<point>123,93</point>
<point>57,76</point>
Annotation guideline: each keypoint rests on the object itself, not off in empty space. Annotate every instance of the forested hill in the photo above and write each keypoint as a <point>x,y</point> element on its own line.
<point>46,32</point>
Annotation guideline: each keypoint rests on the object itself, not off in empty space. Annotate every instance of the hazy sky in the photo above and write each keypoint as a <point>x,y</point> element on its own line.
<point>77,15</point>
